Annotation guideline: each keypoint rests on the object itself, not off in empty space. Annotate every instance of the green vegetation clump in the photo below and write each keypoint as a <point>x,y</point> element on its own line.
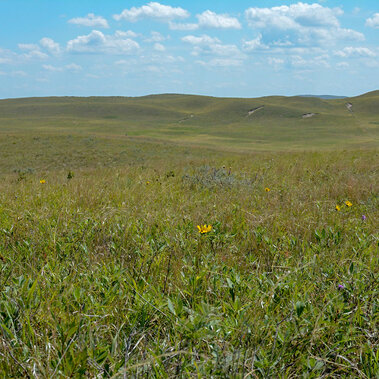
<point>143,257</point>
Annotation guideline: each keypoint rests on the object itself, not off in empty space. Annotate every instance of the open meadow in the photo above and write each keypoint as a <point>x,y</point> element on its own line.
<point>105,273</point>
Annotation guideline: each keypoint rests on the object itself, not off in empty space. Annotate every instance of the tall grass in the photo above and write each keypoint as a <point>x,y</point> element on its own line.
<point>104,273</point>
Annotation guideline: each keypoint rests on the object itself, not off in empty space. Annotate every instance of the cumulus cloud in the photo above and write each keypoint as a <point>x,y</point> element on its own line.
<point>355,52</point>
<point>202,40</point>
<point>373,21</point>
<point>289,17</point>
<point>97,42</point>
<point>90,20</point>
<point>152,10</point>
<point>254,44</point>
<point>33,51</point>
<point>50,45</point>
<point>211,46</point>
<point>304,24</point>
<point>209,19</point>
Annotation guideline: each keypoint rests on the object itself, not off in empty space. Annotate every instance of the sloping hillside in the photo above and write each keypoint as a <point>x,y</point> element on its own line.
<point>265,123</point>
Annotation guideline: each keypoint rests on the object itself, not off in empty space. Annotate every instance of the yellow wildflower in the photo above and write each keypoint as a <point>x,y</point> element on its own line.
<point>204,228</point>
<point>347,202</point>
<point>267,189</point>
<point>338,208</point>
<point>42,181</point>
<point>147,183</point>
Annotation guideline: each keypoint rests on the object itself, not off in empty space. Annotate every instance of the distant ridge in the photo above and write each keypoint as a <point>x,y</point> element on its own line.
<point>265,123</point>
<point>325,97</point>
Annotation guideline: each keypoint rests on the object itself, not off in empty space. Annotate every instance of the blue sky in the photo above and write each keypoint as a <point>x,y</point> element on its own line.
<point>220,48</point>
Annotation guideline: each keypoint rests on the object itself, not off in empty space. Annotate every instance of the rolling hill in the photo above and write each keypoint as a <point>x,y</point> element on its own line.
<point>266,123</point>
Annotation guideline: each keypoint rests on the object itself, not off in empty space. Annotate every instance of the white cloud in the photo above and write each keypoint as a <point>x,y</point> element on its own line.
<point>50,45</point>
<point>159,47</point>
<point>224,50</point>
<point>355,52</point>
<point>203,40</point>
<point>209,19</point>
<point>28,46</point>
<point>314,62</point>
<point>97,42</point>
<point>342,65</point>
<point>373,21</point>
<point>254,44</point>
<point>152,10</point>
<point>221,62</point>
<point>49,67</point>
<point>291,17</point>
<point>73,67</point>
<point>127,34</point>
<point>303,24</point>
<point>35,54</point>
<point>121,62</point>
<point>172,59</point>
<point>32,51</point>
<point>297,60</point>
<point>7,56</point>
<point>275,61</point>
<point>90,20</point>
<point>156,37</point>
<point>206,45</point>
<point>69,67</point>
<point>187,27</point>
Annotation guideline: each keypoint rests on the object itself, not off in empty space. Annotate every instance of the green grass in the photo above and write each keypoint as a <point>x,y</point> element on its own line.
<point>103,272</point>
<point>200,120</point>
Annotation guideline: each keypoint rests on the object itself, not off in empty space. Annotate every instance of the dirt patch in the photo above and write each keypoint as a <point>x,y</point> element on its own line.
<point>251,111</point>
<point>308,115</point>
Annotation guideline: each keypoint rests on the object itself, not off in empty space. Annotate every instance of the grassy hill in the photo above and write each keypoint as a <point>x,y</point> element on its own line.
<point>278,123</point>
<point>104,271</point>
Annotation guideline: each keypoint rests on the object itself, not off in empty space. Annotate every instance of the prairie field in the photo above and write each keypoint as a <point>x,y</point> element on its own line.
<point>104,271</point>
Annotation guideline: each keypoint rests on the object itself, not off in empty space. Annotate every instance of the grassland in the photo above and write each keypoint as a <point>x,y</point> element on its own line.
<point>202,121</point>
<point>103,272</point>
